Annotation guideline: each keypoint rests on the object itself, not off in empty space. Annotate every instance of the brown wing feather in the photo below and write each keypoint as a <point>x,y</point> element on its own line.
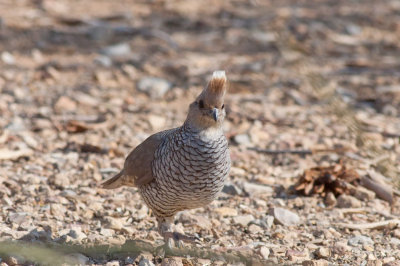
<point>137,168</point>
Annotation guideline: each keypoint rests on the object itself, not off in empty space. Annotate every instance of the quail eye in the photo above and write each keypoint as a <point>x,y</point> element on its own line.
<point>223,106</point>
<point>201,104</point>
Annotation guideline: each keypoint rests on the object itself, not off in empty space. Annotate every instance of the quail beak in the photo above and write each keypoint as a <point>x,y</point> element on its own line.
<point>215,114</point>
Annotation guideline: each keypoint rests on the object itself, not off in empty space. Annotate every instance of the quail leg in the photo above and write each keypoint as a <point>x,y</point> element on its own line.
<point>171,237</point>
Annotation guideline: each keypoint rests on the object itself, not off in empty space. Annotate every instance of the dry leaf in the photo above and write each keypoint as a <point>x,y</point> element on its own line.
<point>74,126</point>
<point>320,180</point>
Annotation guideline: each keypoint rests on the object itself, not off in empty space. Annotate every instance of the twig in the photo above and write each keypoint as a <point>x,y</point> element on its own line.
<point>390,135</point>
<point>382,191</point>
<point>376,225</point>
<point>353,210</point>
<point>396,192</point>
<point>367,210</point>
<point>268,151</point>
<point>299,152</point>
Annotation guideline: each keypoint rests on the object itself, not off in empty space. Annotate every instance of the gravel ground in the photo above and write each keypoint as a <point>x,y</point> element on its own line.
<point>83,82</point>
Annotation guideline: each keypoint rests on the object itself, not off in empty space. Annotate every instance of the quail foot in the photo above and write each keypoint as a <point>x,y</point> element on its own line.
<point>184,167</point>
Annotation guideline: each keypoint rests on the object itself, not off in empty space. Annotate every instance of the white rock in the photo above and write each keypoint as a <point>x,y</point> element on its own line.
<point>114,223</point>
<point>269,220</point>
<point>120,49</point>
<point>107,232</point>
<point>235,171</point>
<point>154,87</point>
<point>323,252</point>
<point>243,220</point>
<point>225,211</point>
<point>254,229</point>
<point>156,122</point>
<point>264,251</point>
<point>57,210</point>
<point>255,189</point>
<point>285,217</point>
<point>7,58</point>
<point>395,241</point>
<point>242,139</point>
<point>112,263</point>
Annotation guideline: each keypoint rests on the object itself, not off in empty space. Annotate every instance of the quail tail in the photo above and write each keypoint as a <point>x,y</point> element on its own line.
<point>114,182</point>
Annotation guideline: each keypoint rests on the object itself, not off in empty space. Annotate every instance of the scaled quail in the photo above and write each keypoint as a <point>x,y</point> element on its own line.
<point>185,167</point>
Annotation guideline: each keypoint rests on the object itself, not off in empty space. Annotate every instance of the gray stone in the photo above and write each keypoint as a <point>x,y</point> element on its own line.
<point>346,201</point>
<point>77,234</point>
<point>389,110</point>
<point>231,189</point>
<point>154,87</point>
<point>242,139</point>
<point>363,194</point>
<point>255,189</point>
<point>360,240</point>
<point>68,193</point>
<point>353,29</point>
<point>17,217</point>
<point>129,260</point>
<point>120,49</point>
<point>103,60</point>
<point>269,221</point>
<point>145,262</point>
<point>285,217</point>
<point>16,125</point>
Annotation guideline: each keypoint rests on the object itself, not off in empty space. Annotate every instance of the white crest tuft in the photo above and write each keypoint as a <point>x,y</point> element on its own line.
<point>219,74</point>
